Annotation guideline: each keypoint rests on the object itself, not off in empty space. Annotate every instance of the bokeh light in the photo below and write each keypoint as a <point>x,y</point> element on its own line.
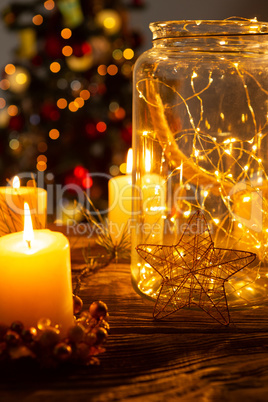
<point>49,5</point>
<point>113,107</point>
<point>102,69</point>
<point>76,85</point>
<point>123,168</point>
<point>62,103</point>
<point>67,51</point>
<point>2,103</point>
<point>12,110</point>
<point>42,158</point>
<point>117,54</point>
<point>41,166</point>
<point>55,67</point>
<point>4,84</point>
<point>87,182</point>
<point>85,94</point>
<point>112,69</point>
<point>114,170</point>
<point>10,69</point>
<point>128,54</point>
<point>73,107</point>
<point>66,33</point>
<point>79,102</point>
<point>54,134</point>
<point>101,126</point>
<point>14,144</point>
<point>37,19</point>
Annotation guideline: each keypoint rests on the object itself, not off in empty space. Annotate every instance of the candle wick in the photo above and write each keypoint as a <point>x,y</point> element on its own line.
<point>29,243</point>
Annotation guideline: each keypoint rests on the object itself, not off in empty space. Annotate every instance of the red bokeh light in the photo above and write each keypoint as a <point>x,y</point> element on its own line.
<point>80,171</point>
<point>87,182</point>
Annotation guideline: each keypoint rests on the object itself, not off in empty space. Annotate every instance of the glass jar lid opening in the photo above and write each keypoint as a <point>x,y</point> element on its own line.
<point>189,28</point>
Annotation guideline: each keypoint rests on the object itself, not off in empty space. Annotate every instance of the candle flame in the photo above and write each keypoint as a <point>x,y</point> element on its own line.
<point>16,182</point>
<point>129,161</point>
<point>28,233</point>
<point>147,161</point>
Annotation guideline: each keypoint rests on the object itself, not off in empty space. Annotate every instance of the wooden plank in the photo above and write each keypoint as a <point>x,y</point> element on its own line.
<point>187,357</point>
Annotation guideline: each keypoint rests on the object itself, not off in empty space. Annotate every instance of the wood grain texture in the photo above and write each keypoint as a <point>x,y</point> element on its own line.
<point>188,357</point>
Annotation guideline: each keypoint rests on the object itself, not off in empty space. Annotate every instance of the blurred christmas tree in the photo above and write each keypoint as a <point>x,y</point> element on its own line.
<point>66,109</point>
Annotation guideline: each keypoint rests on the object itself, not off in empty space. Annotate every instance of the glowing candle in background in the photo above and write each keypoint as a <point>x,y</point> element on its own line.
<point>153,196</point>
<point>16,182</point>
<point>28,234</point>
<point>120,201</point>
<point>12,199</point>
<point>35,272</point>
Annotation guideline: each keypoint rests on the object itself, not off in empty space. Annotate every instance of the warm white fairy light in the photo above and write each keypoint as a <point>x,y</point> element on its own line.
<point>187,213</point>
<point>237,162</point>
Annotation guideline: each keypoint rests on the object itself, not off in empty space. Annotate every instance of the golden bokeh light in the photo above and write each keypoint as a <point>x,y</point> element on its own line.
<point>14,144</point>
<point>54,134</point>
<point>12,110</point>
<point>123,168</point>
<point>62,103</point>
<point>41,166</point>
<point>112,69</point>
<point>66,33</point>
<point>10,69</point>
<point>21,78</point>
<point>114,170</point>
<point>117,54</point>
<point>55,67</point>
<point>85,94</point>
<point>120,113</point>
<point>67,51</point>
<point>37,19</point>
<point>79,101</point>
<point>109,20</point>
<point>4,84</point>
<point>102,69</point>
<point>2,103</point>
<point>73,107</point>
<point>49,5</point>
<point>128,54</point>
<point>42,158</point>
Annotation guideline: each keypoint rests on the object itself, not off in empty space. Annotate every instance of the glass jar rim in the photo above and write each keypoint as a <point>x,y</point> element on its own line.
<point>189,28</point>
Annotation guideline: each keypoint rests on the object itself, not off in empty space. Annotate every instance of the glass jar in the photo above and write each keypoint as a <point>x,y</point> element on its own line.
<point>200,125</point>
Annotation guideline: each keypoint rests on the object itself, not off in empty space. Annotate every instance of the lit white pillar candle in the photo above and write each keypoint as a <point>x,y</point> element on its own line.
<point>13,197</point>
<point>120,201</point>
<point>153,196</point>
<point>35,272</point>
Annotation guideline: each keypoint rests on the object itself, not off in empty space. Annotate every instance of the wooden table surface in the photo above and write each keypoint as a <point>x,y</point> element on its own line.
<point>188,357</point>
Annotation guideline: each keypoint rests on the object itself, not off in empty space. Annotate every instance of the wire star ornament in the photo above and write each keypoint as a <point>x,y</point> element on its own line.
<point>194,272</point>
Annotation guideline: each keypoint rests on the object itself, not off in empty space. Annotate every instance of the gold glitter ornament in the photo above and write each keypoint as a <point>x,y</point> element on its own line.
<point>193,272</point>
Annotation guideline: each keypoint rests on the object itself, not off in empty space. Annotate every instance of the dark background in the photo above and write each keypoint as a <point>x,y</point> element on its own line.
<point>157,10</point>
